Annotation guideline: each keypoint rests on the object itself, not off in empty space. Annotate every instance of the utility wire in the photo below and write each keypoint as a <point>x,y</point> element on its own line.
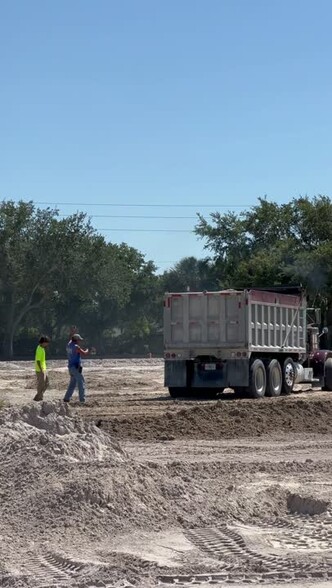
<point>134,216</point>
<point>148,230</point>
<point>145,205</point>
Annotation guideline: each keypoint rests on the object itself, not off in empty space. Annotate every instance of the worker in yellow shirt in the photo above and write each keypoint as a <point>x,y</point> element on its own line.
<point>40,365</point>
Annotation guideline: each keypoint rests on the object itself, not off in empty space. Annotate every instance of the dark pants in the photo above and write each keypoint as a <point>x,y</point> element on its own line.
<point>42,385</point>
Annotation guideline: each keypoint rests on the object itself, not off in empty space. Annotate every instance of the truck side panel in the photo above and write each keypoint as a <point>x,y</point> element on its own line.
<point>276,322</point>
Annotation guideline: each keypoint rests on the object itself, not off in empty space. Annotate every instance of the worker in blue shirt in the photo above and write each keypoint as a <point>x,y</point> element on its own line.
<point>75,352</point>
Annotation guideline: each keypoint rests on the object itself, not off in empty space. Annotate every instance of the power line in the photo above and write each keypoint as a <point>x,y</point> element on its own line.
<point>145,205</point>
<point>148,230</point>
<point>134,216</point>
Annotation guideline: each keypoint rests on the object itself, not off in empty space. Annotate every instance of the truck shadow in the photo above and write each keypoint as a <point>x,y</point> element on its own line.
<point>196,397</point>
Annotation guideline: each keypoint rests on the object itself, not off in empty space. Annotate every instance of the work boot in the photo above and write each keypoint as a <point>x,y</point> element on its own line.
<point>38,397</point>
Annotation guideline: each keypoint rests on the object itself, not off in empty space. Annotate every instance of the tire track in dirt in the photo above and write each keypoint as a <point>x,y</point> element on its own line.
<point>239,563</point>
<point>52,569</point>
<point>241,578</point>
<point>44,571</point>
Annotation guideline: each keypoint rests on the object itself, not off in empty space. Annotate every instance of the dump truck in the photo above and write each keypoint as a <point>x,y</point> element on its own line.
<point>256,341</point>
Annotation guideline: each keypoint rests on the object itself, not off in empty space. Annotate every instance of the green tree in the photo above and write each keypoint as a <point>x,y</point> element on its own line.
<point>141,317</point>
<point>123,300</point>
<point>273,244</point>
<point>190,273</point>
<point>50,264</point>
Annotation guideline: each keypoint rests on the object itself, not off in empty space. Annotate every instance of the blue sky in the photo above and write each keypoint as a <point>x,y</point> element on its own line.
<point>198,103</point>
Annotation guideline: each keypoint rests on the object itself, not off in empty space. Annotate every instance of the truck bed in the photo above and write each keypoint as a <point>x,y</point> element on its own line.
<point>249,320</point>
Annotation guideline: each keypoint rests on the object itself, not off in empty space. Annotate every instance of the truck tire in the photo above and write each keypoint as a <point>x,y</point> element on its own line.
<point>179,392</point>
<point>328,374</point>
<point>288,376</point>
<point>274,378</point>
<point>257,379</point>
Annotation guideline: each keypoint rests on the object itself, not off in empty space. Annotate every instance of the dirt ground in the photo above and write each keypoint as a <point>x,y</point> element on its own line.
<point>137,489</point>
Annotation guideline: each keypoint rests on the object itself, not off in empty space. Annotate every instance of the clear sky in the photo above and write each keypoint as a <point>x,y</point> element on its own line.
<point>173,102</point>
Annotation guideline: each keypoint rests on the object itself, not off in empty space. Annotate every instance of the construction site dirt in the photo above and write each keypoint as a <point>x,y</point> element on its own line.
<point>137,489</point>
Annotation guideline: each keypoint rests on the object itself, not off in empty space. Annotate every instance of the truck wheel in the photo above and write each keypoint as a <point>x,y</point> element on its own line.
<point>288,376</point>
<point>274,378</point>
<point>257,379</point>
<point>179,392</point>
<point>328,374</point>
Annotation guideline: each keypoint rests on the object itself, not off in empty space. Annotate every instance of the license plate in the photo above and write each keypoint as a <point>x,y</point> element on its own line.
<point>210,366</point>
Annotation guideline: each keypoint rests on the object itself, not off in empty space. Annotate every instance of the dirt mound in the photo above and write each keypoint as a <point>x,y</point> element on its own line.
<point>64,481</point>
<point>46,429</point>
<point>58,472</point>
<point>306,505</point>
<point>227,419</point>
<point>67,489</point>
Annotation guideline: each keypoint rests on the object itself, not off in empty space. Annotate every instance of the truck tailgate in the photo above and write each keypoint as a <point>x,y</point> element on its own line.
<point>205,319</point>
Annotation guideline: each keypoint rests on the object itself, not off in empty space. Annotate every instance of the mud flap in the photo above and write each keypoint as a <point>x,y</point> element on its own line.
<point>176,374</point>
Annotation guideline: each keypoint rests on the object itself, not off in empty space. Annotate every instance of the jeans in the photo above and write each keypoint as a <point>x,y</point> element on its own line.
<point>76,379</point>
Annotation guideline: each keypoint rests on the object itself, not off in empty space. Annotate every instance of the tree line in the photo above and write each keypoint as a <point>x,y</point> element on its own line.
<point>55,272</point>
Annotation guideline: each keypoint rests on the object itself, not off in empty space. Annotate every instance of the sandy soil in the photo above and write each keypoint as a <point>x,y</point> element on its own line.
<point>136,489</point>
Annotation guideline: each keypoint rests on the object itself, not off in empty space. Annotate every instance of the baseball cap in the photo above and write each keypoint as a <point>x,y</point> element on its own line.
<point>77,337</point>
